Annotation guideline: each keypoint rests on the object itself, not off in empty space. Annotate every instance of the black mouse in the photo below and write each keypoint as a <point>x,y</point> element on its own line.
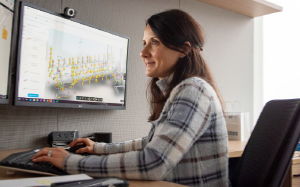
<point>76,147</point>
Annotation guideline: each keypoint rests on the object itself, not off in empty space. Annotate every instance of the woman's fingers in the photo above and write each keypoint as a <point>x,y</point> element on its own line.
<point>42,152</point>
<point>42,159</point>
<point>53,155</point>
<point>83,150</point>
<point>78,141</point>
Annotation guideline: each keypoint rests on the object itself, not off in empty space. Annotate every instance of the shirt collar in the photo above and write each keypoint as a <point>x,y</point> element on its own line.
<point>164,83</point>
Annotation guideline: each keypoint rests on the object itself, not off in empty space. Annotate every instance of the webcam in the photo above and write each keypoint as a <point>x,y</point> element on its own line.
<point>69,12</point>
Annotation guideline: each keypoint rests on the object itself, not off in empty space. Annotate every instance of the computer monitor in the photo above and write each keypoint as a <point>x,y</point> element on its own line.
<point>6,23</point>
<point>65,62</point>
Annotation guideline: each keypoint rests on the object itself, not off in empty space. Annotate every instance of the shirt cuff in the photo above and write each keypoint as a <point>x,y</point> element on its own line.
<point>99,148</point>
<point>71,163</point>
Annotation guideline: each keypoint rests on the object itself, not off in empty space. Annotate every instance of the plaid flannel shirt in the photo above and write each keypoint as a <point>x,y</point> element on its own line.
<point>187,144</point>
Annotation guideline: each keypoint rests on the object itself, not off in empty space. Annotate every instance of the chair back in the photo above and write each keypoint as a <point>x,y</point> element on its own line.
<point>269,151</point>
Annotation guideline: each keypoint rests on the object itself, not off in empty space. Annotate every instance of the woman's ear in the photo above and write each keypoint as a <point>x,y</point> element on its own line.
<point>186,48</point>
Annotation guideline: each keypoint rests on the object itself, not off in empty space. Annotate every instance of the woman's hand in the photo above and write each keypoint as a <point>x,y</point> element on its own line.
<point>80,141</point>
<point>55,156</point>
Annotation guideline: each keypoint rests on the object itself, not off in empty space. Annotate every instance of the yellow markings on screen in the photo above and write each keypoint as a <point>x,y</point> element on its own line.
<point>4,34</point>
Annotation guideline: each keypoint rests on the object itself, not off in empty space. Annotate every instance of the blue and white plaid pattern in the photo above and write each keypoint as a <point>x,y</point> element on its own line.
<point>187,144</point>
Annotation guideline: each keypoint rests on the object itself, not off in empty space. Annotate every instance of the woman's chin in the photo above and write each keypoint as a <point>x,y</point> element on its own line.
<point>148,74</point>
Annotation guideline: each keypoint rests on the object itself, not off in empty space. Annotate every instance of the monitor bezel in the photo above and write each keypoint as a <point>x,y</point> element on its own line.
<point>6,100</point>
<point>63,105</point>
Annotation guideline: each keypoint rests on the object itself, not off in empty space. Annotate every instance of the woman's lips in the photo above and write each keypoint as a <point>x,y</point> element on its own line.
<point>150,63</point>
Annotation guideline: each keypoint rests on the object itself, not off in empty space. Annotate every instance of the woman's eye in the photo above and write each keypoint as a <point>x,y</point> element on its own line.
<point>154,42</point>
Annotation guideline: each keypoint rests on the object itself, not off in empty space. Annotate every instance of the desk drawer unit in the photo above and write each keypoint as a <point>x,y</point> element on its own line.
<point>296,175</point>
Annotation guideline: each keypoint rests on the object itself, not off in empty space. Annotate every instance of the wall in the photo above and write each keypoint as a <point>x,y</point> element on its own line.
<point>228,51</point>
<point>258,68</point>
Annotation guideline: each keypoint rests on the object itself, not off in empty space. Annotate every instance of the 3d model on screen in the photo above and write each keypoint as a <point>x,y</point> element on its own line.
<point>68,74</point>
<point>79,66</point>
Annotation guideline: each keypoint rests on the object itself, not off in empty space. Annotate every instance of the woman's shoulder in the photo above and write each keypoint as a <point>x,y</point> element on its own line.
<point>195,80</point>
<point>193,83</point>
<point>192,87</point>
<point>196,90</point>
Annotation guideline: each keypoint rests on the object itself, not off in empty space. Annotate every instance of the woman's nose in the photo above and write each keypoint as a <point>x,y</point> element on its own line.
<point>145,52</point>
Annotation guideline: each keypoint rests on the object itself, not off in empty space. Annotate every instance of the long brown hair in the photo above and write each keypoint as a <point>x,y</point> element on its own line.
<point>174,28</point>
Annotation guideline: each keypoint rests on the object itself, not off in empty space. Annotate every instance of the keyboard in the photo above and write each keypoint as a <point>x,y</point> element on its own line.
<point>22,160</point>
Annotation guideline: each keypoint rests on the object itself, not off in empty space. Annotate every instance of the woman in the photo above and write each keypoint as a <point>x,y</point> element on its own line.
<point>187,143</point>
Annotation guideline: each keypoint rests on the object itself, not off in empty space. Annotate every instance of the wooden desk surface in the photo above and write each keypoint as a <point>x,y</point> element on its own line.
<point>235,149</point>
<point>296,160</point>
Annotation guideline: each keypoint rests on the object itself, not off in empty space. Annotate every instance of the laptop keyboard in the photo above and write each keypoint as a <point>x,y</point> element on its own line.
<point>23,160</point>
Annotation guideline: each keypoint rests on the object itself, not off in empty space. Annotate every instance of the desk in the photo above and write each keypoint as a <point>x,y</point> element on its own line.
<point>235,149</point>
<point>295,173</point>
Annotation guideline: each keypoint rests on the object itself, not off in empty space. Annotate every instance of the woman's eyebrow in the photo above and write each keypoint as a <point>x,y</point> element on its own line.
<point>150,39</point>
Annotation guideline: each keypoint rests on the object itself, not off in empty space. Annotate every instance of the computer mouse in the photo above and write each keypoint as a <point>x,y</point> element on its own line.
<point>76,147</point>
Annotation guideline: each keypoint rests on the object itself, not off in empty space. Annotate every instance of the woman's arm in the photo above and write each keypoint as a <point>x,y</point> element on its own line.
<point>120,147</point>
<point>180,125</point>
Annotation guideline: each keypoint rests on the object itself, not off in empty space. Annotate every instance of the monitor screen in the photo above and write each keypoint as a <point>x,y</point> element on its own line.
<point>8,3</point>
<point>6,20</point>
<point>67,63</point>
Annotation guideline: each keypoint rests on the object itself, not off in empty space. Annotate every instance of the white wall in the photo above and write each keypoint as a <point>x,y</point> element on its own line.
<point>229,51</point>
<point>258,85</point>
